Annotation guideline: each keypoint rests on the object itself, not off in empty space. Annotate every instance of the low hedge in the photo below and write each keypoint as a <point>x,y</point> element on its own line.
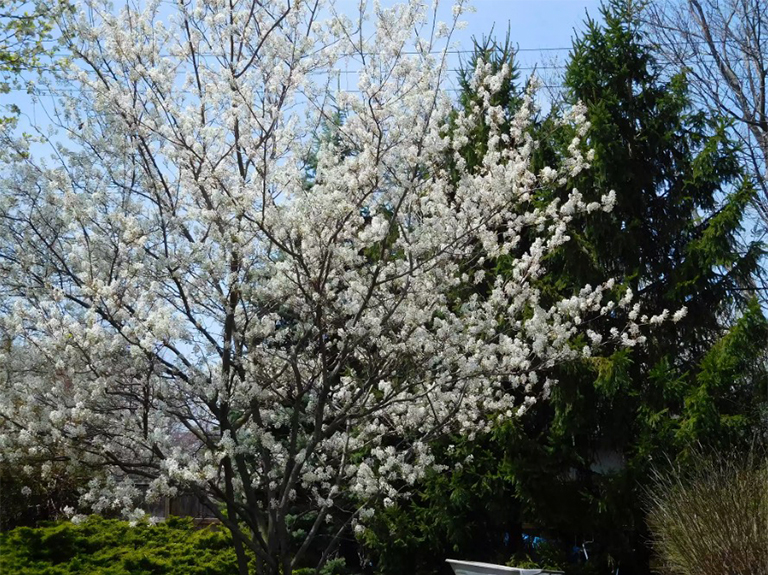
<point>110,547</point>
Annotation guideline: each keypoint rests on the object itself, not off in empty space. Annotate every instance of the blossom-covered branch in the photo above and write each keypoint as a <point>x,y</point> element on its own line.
<point>223,288</point>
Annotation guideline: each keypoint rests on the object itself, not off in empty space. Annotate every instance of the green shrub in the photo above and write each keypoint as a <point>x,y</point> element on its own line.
<point>110,547</point>
<point>336,566</point>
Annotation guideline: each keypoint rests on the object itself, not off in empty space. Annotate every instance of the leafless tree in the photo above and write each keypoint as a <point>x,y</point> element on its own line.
<point>723,47</point>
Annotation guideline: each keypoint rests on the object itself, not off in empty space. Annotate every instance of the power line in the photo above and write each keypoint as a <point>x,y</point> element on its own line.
<point>347,73</point>
<point>495,48</point>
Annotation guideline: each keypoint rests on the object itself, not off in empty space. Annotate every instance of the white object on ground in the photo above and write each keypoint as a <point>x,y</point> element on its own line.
<point>476,568</point>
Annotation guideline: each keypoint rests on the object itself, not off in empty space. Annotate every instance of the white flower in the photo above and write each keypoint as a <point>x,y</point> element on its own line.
<point>223,318</point>
<point>680,314</point>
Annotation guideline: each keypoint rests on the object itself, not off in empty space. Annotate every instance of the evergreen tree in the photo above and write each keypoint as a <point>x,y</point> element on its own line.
<point>574,468</point>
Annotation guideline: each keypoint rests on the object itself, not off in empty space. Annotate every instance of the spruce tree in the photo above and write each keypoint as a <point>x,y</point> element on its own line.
<point>674,237</point>
<point>574,468</point>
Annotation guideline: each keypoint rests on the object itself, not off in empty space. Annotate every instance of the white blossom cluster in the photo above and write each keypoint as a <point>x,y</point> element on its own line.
<point>219,288</point>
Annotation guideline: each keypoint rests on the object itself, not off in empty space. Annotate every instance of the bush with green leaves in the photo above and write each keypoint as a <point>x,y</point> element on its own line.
<point>110,547</point>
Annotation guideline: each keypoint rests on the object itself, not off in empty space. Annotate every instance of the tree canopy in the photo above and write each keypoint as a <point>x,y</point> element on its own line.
<point>573,470</point>
<point>197,296</point>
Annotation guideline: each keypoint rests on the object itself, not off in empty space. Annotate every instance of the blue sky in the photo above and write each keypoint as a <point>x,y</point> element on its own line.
<point>533,23</point>
<point>542,29</point>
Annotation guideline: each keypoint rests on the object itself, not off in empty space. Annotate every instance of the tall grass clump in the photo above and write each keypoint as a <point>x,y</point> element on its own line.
<point>711,518</point>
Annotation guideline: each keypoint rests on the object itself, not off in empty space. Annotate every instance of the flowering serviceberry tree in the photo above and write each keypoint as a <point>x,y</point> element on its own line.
<point>213,297</point>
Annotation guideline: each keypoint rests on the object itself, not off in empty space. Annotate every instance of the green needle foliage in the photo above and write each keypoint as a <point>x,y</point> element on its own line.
<point>110,547</point>
<point>573,469</point>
